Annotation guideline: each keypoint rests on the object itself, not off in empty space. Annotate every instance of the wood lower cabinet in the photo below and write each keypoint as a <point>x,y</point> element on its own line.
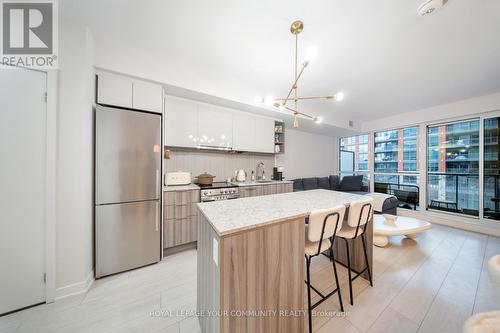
<point>181,213</point>
<point>265,189</point>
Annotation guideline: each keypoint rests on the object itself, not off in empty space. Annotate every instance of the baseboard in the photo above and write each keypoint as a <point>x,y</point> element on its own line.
<point>75,288</point>
<point>454,221</point>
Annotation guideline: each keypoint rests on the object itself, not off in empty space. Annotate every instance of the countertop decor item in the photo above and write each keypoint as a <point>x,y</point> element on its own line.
<point>281,103</point>
<point>390,219</point>
<point>205,179</point>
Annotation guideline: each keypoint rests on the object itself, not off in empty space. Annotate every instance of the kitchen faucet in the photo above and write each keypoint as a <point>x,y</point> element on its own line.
<point>260,171</point>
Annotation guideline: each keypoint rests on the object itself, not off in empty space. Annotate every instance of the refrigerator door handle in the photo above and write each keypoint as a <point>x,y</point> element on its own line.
<point>157,224</point>
<point>157,184</point>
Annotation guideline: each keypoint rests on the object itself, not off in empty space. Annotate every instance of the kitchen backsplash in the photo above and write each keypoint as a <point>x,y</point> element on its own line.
<point>218,163</point>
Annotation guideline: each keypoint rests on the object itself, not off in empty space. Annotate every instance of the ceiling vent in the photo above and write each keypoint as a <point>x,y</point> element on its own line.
<point>430,6</point>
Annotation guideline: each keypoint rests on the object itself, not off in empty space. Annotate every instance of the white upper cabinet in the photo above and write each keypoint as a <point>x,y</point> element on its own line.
<point>123,91</point>
<point>243,132</point>
<point>147,96</point>
<point>114,90</point>
<point>215,126</point>
<point>181,122</point>
<point>264,135</point>
<point>192,124</point>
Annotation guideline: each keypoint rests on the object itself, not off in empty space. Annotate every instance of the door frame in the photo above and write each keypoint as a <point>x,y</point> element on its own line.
<point>50,181</point>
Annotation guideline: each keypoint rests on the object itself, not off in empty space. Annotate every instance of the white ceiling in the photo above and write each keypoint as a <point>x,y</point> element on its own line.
<point>385,57</point>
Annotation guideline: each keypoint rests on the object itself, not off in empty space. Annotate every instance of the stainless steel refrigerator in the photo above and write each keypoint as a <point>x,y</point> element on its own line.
<point>127,189</point>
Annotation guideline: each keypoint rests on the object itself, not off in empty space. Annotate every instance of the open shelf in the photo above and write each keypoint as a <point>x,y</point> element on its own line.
<point>279,137</point>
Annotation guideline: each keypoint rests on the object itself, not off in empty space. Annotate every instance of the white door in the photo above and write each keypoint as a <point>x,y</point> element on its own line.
<point>22,190</point>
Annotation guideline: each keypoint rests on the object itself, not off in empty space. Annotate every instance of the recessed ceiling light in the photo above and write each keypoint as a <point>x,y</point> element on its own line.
<point>318,120</point>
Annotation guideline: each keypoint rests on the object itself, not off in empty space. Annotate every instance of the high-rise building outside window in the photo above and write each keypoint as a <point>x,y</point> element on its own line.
<point>491,192</point>
<point>359,145</point>
<point>453,167</point>
<point>396,162</point>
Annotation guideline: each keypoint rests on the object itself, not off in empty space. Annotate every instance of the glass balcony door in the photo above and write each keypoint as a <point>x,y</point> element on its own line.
<point>453,167</point>
<point>491,167</point>
<point>358,163</point>
<point>396,165</point>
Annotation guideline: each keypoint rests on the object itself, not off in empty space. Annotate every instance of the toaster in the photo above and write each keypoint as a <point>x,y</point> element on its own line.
<point>178,178</point>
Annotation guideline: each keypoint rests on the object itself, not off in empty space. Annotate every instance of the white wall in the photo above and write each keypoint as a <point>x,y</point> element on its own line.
<point>437,113</point>
<point>74,228</point>
<point>308,155</point>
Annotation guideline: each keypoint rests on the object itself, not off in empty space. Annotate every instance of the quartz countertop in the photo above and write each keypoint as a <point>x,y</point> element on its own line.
<point>172,188</point>
<point>230,216</point>
<point>254,183</point>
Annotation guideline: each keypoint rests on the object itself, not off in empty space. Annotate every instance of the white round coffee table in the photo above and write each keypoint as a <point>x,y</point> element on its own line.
<point>403,226</point>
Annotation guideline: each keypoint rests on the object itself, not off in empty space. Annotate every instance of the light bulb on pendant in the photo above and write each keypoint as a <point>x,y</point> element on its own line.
<point>258,100</point>
<point>311,54</point>
<point>339,96</point>
<point>295,121</point>
<point>269,100</point>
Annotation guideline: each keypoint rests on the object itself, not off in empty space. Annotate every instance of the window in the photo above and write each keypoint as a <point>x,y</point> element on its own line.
<point>359,145</point>
<point>453,167</point>
<point>396,150</point>
<point>396,163</point>
<point>491,196</point>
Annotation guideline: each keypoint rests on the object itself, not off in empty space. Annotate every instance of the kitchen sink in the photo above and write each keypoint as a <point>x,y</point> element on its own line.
<point>264,181</point>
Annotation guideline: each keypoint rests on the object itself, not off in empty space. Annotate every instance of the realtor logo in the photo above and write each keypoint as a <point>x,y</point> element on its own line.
<point>29,33</point>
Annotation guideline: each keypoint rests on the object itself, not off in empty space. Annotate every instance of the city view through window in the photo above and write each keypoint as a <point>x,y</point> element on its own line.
<point>491,168</point>
<point>396,163</point>
<point>453,165</point>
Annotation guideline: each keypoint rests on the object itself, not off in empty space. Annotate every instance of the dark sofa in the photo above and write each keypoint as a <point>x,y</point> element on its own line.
<point>350,184</point>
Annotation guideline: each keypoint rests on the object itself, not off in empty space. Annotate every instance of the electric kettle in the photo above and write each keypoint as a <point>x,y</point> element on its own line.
<point>240,175</point>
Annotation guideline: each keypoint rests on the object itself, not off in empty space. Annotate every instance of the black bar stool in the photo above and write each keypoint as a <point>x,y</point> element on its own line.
<point>360,212</point>
<point>320,234</point>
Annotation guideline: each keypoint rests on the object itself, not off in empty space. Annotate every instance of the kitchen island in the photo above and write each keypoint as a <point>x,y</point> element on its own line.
<point>251,260</point>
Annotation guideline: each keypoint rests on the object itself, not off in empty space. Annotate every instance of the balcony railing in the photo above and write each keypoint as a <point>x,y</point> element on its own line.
<point>492,196</point>
<point>408,195</point>
<point>402,185</point>
<point>453,192</point>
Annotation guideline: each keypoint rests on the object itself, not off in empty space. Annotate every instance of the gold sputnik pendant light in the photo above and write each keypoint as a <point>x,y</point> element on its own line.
<point>282,103</point>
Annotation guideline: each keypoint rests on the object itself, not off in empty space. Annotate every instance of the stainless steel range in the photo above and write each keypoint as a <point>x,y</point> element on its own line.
<point>218,191</point>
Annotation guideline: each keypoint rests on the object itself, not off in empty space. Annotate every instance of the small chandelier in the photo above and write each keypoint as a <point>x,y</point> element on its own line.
<point>282,103</point>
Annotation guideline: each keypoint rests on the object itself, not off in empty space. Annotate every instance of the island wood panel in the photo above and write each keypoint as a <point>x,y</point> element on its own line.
<point>356,249</point>
<point>208,281</point>
<point>263,270</point>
